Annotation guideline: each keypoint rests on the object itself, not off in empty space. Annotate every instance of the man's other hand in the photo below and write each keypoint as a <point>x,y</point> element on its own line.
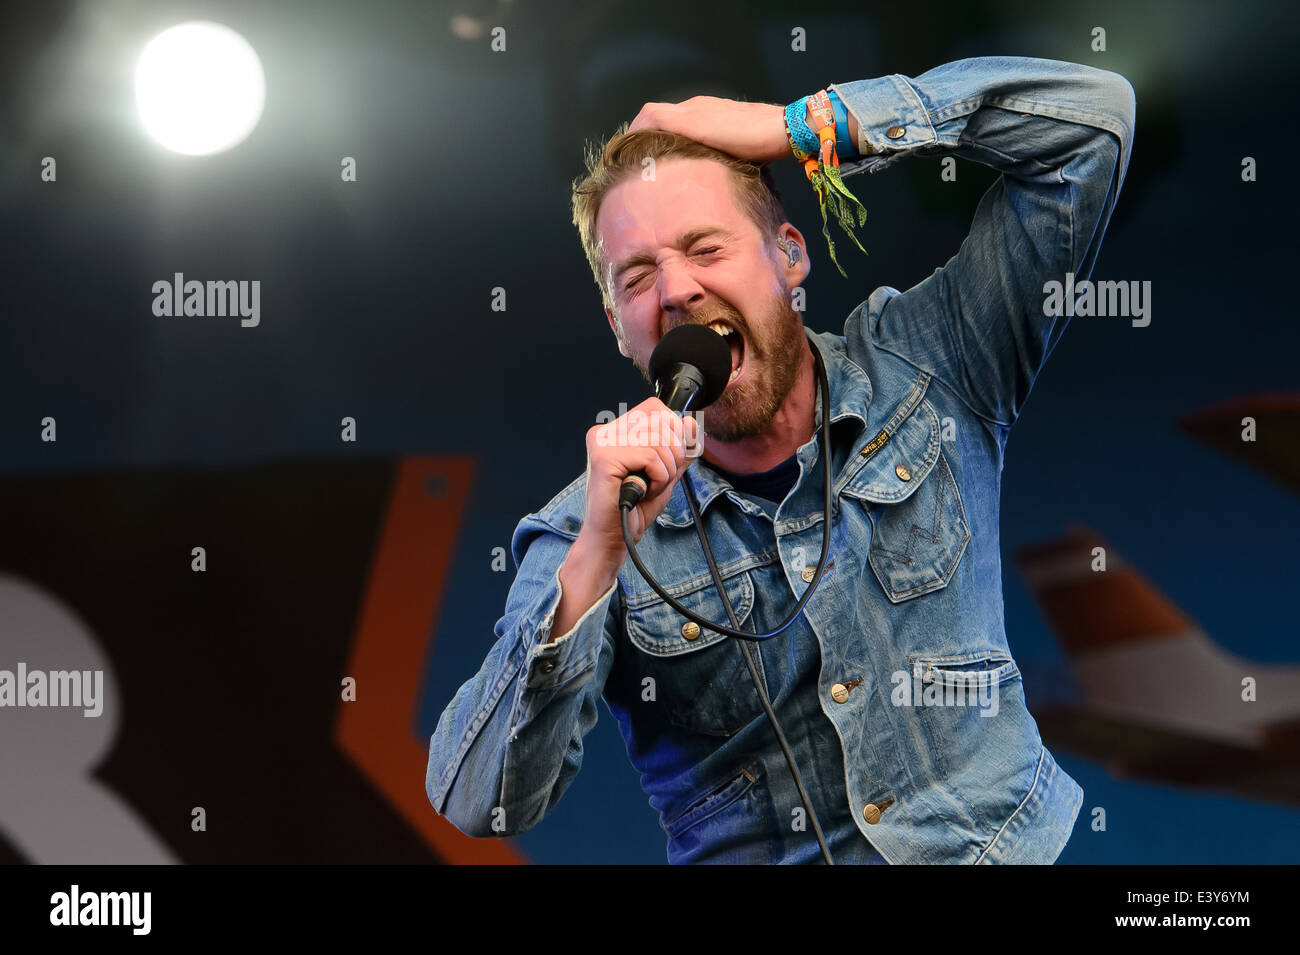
<point>753,131</point>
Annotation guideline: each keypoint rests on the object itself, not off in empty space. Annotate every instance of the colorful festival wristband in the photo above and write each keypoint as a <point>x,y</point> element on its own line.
<point>845,148</point>
<point>796,127</point>
<point>821,165</point>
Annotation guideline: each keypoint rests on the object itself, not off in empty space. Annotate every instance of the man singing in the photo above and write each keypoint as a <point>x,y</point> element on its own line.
<point>681,226</point>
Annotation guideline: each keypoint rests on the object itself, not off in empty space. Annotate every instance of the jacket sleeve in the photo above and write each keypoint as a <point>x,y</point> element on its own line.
<point>510,741</point>
<point>1061,135</point>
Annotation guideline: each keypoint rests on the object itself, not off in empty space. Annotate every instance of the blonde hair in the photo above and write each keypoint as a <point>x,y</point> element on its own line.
<point>620,158</point>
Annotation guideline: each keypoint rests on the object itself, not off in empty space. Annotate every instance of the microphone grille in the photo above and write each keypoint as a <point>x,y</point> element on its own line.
<point>698,346</point>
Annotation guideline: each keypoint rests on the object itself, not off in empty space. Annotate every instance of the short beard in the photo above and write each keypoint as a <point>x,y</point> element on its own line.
<point>773,360</point>
<point>747,410</point>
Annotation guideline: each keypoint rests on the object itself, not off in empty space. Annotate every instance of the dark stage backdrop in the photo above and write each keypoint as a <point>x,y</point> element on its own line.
<point>372,559</point>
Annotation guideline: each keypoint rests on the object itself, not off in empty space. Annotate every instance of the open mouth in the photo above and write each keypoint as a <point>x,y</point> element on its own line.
<point>736,342</point>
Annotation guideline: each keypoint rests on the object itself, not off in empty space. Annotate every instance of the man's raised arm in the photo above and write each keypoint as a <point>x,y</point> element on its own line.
<point>1061,135</point>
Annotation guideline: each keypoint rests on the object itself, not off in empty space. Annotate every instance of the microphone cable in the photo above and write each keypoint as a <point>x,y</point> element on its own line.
<point>735,631</point>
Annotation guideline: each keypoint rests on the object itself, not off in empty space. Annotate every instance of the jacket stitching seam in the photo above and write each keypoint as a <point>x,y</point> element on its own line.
<point>905,408</point>
<point>947,384</point>
<point>480,720</point>
<point>919,103</point>
<point>689,586</point>
<point>1032,788</point>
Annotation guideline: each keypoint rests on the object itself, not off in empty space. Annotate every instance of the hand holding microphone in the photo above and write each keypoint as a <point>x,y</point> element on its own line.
<point>690,367</point>
<point>636,460</point>
<point>650,440</point>
<point>645,449</point>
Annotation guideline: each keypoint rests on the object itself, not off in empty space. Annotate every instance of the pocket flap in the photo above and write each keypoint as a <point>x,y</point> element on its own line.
<point>713,802</point>
<point>910,450</point>
<point>657,628</point>
<point>989,667</point>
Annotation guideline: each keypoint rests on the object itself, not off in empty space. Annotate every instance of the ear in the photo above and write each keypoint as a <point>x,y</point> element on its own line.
<point>794,273</point>
<point>622,346</point>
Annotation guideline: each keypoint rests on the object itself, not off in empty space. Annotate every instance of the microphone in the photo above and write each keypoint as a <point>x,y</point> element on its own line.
<point>690,367</point>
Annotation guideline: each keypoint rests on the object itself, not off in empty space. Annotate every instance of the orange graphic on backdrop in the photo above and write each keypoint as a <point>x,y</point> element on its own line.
<point>401,603</point>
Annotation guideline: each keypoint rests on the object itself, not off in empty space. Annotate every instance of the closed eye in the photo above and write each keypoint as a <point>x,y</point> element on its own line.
<point>708,251</point>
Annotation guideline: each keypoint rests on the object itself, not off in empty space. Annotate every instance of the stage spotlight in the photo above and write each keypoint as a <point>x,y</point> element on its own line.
<point>200,88</point>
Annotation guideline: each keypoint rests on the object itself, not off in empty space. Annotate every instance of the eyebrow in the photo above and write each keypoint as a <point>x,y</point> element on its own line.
<point>685,242</point>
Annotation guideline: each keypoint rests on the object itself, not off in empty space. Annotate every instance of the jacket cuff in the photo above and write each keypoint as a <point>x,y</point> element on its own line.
<point>551,664</point>
<point>891,117</point>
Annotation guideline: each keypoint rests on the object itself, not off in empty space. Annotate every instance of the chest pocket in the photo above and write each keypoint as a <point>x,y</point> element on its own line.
<point>919,529</point>
<point>700,680</point>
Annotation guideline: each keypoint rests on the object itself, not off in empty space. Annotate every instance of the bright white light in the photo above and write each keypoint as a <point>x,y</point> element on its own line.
<point>200,88</point>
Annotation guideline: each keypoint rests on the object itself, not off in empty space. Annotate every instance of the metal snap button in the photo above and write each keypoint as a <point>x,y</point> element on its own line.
<point>690,630</point>
<point>871,812</point>
<point>839,693</point>
<point>547,666</point>
<point>808,573</point>
<point>903,473</point>
<point>895,132</point>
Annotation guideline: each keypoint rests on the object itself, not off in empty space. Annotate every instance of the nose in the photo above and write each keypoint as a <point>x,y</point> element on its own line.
<point>679,292</point>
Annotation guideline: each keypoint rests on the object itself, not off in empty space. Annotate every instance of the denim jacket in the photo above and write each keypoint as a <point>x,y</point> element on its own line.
<point>925,386</point>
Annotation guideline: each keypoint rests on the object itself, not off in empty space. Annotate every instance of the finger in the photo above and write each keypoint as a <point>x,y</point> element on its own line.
<point>659,469</point>
<point>666,461</point>
<point>644,119</point>
<point>671,427</point>
<point>659,424</point>
<point>663,491</point>
<point>652,405</point>
<point>691,436</point>
<point>688,434</point>
<point>655,468</point>
<point>686,439</point>
<point>677,448</point>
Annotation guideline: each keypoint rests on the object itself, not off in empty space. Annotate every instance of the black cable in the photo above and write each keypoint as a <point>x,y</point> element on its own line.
<point>745,648</point>
<point>747,651</point>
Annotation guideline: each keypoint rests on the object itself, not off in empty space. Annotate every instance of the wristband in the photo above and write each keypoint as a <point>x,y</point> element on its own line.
<point>796,126</point>
<point>814,146</point>
<point>843,146</point>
